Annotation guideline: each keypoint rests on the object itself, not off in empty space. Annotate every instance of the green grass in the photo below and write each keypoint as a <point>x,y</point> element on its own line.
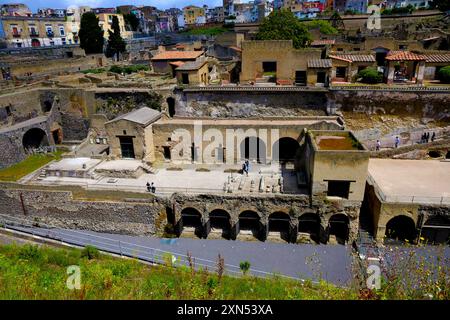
<point>41,273</point>
<point>30,164</point>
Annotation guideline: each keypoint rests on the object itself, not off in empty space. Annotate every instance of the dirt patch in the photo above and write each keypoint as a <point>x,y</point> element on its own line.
<point>336,143</point>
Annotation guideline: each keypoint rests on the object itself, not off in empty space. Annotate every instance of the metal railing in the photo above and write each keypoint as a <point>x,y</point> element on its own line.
<point>122,248</point>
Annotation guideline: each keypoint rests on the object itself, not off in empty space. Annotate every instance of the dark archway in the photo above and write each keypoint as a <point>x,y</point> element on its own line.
<point>310,223</point>
<point>436,230</point>
<point>171,105</point>
<point>280,222</point>
<point>401,228</point>
<point>339,227</point>
<point>47,106</point>
<point>285,149</point>
<point>250,221</point>
<point>35,43</point>
<point>192,218</point>
<point>34,138</point>
<point>220,219</point>
<point>253,148</point>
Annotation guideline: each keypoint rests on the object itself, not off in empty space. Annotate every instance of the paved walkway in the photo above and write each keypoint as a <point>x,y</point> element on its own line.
<point>329,262</point>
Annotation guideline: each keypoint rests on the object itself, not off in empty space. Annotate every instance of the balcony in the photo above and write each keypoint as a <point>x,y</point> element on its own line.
<point>50,34</point>
<point>34,34</point>
<point>16,34</point>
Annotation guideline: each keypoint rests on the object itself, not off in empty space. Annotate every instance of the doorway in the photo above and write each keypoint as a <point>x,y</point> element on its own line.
<point>127,147</point>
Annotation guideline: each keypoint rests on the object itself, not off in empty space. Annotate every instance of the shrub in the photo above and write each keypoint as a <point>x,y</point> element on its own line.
<point>444,74</point>
<point>129,69</point>
<point>30,252</point>
<point>244,266</point>
<point>90,252</point>
<point>370,75</point>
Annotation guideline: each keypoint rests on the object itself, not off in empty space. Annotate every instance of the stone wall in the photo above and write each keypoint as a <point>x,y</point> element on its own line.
<point>224,104</point>
<point>60,209</point>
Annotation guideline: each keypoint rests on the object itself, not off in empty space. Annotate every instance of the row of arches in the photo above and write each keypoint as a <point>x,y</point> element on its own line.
<point>249,222</point>
<point>435,230</point>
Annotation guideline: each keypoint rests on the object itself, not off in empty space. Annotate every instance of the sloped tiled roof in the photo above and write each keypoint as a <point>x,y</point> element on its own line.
<point>192,65</point>
<point>404,56</point>
<point>143,116</point>
<point>438,57</point>
<point>323,42</point>
<point>178,55</point>
<point>177,63</point>
<point>355,57</point>
<point>319,63</point>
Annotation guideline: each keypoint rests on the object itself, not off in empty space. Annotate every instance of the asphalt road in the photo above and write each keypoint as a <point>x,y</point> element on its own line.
<point>329,262</point>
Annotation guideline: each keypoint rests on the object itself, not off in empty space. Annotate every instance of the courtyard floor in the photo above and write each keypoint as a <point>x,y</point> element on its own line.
<point>189,178</point>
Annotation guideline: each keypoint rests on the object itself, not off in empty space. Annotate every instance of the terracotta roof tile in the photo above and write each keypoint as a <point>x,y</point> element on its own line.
<point>178,55</point>
<point>404,56</point>
<point>177,63</point>
<point>438,57</point>
<point>355,57</point>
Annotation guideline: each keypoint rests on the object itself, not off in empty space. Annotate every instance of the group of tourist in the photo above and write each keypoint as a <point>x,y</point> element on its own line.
<point>246,167</point>
<point>426,137</point>
<point>151,187</point>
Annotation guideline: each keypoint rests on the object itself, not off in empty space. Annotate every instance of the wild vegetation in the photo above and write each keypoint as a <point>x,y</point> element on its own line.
<point>444,74</point>
<point>31,272</point>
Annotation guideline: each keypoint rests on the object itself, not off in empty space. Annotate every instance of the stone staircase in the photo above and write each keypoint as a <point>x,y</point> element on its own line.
<point>366,244</point>
<point>149,169</point>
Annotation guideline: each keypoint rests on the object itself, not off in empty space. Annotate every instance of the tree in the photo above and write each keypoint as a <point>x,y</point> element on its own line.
<point>115,45</point>
<point>283,25</point>
<point>370,75</point>
<point>91,35</point>
<point>324,26</point>
<point>336,21</point>
<point>442,5</point>
<point>444,74</point>
<point>132,21</point>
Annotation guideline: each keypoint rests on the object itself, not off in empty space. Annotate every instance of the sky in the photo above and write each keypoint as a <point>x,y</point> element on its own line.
<point>160,4</point>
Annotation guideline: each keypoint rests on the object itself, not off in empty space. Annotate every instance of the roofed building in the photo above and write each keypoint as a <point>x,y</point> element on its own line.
<point>130,135</point>
<point>168,61</point>
<point>347,66</point>
<point>193,73</point>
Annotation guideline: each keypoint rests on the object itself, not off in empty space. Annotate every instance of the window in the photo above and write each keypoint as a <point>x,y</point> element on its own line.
<point>61,31</point>
<point>337,188</point>
<point>341,72</point>
<point>321,75</point>
<point>300,78</point>
<point>269,66</point>
<point>166,152</point>
<point>185,78</point>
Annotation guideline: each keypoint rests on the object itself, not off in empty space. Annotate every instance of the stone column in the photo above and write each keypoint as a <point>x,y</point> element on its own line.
<point>420,72</point>
<point>324,232</point>
<point>264,229</point>
<point>234,229</point>
<point>293,232</point>
<point>206,227</point>
<point>391,70</point>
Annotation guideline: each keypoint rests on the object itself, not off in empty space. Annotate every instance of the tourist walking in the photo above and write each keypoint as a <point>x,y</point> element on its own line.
<point>433,136</point>
<point>427,137</point>
<point>422,140</point>
<point>247,166</point>
<point>377,148</point>
<point>397,142</point>
<point>153,188</point>
<point>148,187</point>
